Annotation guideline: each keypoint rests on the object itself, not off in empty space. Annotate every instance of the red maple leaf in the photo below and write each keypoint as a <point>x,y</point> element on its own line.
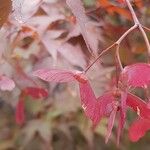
<point>36,93</point>
<point>20,114</point>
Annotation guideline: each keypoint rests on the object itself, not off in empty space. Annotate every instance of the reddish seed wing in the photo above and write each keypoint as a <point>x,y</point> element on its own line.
<point>138,129</point>
<point>6,83</point>
<point>104,106</point>
<point>88,102</point>
<point>122,115</point>
<point>36,92</point>
<point>106,102</point>
<point>136,75</point>
<point>138,105</point>
<point>19,115</point>
<point>94,108</point>
<point>110,124</point>
<point>54,75</point>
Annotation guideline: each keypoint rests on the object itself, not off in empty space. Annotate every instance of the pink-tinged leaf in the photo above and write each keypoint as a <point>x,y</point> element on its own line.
<point>88,102</point>
<point>122,115</point>
<point>36,92</point>
<point>6,83</point>
<point>110,124</point>
<point>138,129</point>
<point>136,75</point>
<point>24,9</point>
<point>79,12</point>
<point>54,75</point>
<point>20,114</point>
<point>70,52</point>
<point>138,105</point>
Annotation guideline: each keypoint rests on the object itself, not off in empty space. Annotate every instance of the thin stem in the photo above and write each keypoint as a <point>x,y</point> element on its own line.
<point>118,60</point>
<point>111,46</point>
<point>136,24</point>
<point>145,39</point>
<point>146,28</point>
<point>102,53</point>
<point>126,33</point>
<point>135,19</point>
<point>118,64</point>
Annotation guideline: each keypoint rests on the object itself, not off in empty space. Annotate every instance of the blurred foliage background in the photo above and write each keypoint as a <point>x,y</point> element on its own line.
<point>58,122</point>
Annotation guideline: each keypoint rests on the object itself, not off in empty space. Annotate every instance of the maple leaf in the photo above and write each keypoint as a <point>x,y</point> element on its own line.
<point>136,75</point>
<point>79,12</point>
<point>24,9</point>
<point>6,83</point>
<point>138,129</point>
<point>35,93</point>
<point>20,114</point>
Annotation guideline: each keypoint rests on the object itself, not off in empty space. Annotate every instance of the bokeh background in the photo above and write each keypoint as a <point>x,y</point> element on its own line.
<point>46,35</point>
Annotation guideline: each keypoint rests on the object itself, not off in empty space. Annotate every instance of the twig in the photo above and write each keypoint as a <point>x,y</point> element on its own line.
<point>136,21</point>
<point>111,46</point>
<point>118,61</point>
<point>102,53</point>
<point>146,28</point>
<point>117,43</point>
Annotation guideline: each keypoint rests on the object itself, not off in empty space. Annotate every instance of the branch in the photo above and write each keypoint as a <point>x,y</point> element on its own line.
<point>111,46</point>
<point>136,21</point>
<point>146,28</point>
<point>117,43</point>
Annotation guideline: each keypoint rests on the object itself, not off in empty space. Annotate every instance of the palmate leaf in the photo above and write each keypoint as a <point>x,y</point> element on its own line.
<point>24,9</point>
<point>78,10</point>
<point>6,84</point>
<point>20,114</point>
<point>136,75</point>
<point>36,92</point>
